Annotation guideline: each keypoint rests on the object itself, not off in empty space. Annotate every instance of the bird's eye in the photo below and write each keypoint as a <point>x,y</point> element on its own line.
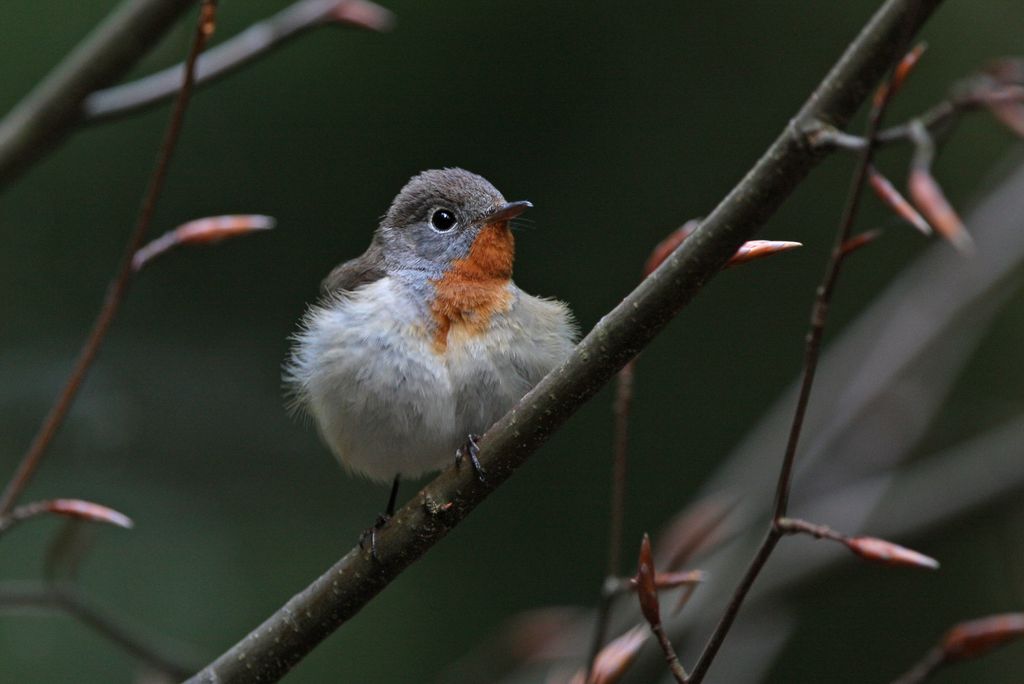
<point>442,220</point>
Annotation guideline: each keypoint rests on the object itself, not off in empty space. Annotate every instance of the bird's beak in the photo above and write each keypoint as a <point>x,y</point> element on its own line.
<point>507,211</point>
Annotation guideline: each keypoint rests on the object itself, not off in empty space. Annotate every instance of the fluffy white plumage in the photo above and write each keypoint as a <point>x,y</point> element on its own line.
<point>388,403</point>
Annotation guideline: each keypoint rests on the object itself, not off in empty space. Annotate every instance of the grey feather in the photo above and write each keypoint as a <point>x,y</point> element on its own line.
<point>357,272</point>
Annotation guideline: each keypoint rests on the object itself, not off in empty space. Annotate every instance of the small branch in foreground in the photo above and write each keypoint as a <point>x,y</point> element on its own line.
<point>119,286</point>
<point>288,635</point>
<point>819,311</point>
<point>930,492</point>
<point>812,354</point>
<point>50,111</point>
<point>625,381</point>
<point>621,407</point>
<point>751,250</point>
<point>68,599</point>
<point>256,41</point>
<point>965,641</point>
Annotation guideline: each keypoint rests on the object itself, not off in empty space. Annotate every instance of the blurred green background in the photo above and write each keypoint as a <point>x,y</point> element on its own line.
<point>619,121</point>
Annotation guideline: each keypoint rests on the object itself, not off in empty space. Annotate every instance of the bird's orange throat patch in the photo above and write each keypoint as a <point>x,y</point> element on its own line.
<point>475,287</point>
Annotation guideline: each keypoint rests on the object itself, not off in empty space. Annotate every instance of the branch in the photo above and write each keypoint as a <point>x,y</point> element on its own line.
<point>294,630</point>
<point>49,112</point>
<point>71,601</point>
<point>976,93</point>
<point>916,335</point>
<point>749,251</point>
<point>812,355</point>
<point>616,512</point>
<point>123,278</point>
<point>254,42</point>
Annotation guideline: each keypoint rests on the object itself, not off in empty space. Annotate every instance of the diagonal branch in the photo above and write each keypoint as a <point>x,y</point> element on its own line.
<point>49,112</point>
<point>812,355</point>
<point>254,42</point>
<point>293,631</point>
<point>920,331</point>
<point>122,279</point>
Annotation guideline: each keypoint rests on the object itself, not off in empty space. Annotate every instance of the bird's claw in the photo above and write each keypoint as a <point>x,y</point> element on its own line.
<point>370,535</point>
<point>471,449</point>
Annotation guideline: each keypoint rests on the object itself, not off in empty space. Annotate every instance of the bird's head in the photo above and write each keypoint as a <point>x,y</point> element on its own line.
<point>447,220</point>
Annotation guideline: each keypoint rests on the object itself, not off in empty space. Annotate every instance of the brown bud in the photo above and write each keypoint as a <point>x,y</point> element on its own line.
<point>202,231</point>
<point>888,193</point>
<point>932,202</point>
<point>757,249</point>
<point>87,510</point>
<point>861,240</point>
<point>362,14</point>
<point>978,637</point>
<point>646,588</point>
<point>903,69</point>
<point>668,245</point>
<point>885,552</point>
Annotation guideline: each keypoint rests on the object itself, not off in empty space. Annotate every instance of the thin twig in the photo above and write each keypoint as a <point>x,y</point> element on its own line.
<point>329,601</point>
<point>749,251</point>
<point>623,403</point>
<point>53,108</point>
<point>764,551</point>
<point>797,526</point>
<point>675,668</point>
<point>68,599</point>
<point>254,42</point>
<point>71,508</point>
<point>123,278</point>
<point>621,408</point>
<point>981,473</point>
<point>941,118</point>
<point>812,353</point>
<point>820,308</point>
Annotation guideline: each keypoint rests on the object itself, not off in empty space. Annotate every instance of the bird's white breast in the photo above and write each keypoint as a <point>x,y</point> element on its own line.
<point>388,402</point>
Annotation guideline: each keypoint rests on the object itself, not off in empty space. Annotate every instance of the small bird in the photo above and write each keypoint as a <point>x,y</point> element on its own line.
<point>419,345</point>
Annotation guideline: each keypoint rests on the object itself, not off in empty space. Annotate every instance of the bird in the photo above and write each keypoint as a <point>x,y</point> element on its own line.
<point>420,344</point>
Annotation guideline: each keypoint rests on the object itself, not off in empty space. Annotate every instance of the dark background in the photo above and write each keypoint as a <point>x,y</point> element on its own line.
<point>619,121</point>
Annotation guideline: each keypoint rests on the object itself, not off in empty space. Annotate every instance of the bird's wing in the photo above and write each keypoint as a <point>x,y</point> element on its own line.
<point>355,273</point>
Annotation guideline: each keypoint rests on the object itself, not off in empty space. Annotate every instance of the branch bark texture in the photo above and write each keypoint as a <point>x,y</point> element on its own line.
<point>268,652</point>
<point>49,112</point>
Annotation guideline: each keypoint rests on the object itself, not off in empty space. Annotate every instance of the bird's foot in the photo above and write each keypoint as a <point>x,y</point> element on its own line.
<point>369,536</point>
<point>471,450</point>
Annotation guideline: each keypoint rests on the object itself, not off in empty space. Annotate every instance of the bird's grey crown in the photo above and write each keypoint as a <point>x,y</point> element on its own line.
<point>406,247</point>
<point>469,195</point>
